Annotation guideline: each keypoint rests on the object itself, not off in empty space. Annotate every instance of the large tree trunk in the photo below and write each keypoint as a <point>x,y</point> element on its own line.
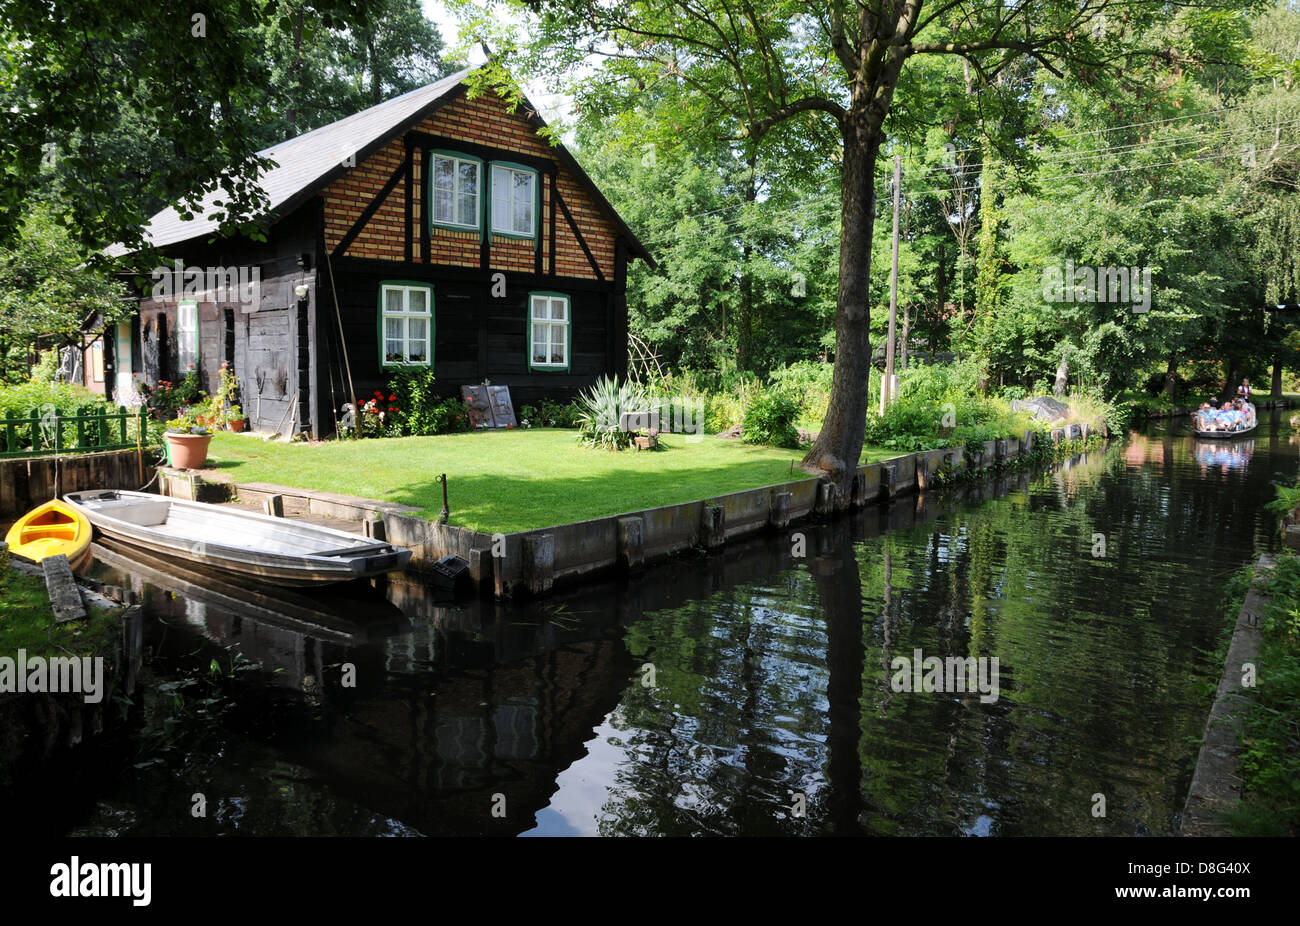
<point>1062,376</point>
<point>1230,384</point>
<point>1171,375</point>
<point>839,445</point>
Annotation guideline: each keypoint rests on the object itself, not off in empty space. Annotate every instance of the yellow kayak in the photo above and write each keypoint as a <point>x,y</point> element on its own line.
<point>49,530</point>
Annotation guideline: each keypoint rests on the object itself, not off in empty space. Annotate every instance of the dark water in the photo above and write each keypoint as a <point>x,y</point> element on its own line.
<point>723,695</point>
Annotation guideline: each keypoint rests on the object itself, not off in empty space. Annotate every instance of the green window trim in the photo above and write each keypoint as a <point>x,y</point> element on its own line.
<point>380,315</point>
<point>483,192</point>
<point>568,333</point>
<point>535,234</point>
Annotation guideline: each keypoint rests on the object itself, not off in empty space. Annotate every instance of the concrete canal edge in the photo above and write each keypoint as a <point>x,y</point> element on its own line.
<point>534,562</point>
<point>1216,782</point>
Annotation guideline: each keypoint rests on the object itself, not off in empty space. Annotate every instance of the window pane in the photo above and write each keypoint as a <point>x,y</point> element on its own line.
<point>557,352</point>
<point>392,349</point>
<point>539,306</point>
<point>559,309</point>
<point>393,300</point>
<point>468,177</point>
<point>442,206</point>
<point>416,300</point>
<point>467,209</point>
<point>443,173</point>
<point>539,343</point>
<point>417,352</point>
<point>524,218</point>
<point>417,328</point>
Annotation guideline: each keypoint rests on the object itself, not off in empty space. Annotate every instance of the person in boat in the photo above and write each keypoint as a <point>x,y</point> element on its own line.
<point>1203,417</point>
<point>1244,389</point>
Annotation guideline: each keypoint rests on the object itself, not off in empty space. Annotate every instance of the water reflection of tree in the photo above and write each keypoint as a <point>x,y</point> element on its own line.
<point>768,690</point>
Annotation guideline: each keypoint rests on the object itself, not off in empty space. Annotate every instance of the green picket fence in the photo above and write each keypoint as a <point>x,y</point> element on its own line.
<point>43,433</point>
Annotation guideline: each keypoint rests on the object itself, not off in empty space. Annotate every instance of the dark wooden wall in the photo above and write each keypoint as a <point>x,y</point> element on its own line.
<point>273,356</point>
<point>477,336</point>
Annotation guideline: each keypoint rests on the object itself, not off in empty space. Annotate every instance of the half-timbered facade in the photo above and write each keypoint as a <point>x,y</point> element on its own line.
<point>434,231</point>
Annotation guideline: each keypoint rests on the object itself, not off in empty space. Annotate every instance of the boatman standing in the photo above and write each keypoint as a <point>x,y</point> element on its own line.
<point>1244,389</point>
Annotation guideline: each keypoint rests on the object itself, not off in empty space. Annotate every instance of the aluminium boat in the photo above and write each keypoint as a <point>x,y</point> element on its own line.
<point>278,551</point>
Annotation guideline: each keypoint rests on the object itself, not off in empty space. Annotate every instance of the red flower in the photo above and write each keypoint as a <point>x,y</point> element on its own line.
<point>395,409</point>
<point>510,427</point>
<point>378,393</point>
<point>392,398</point>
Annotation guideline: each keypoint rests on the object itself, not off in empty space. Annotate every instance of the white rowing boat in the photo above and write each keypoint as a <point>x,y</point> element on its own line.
<point>277,550</point>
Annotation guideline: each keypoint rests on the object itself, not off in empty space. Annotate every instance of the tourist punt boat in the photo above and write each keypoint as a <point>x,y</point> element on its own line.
<point>278,551</point>
<point>1225,435</point>
<point>48,530</point>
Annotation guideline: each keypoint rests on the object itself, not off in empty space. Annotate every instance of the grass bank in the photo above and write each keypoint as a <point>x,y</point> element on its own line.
<point>514,480</point>
<point>27,623</point>
<point>1270,758</point>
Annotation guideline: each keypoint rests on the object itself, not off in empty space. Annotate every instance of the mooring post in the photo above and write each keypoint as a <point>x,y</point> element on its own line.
<point>539,563</point>
<point>631,544</point>
<point>274,505</point>
<point>889,479</point>
<point>778,514</point>
<point>713,528</point>
<point>480,568</point>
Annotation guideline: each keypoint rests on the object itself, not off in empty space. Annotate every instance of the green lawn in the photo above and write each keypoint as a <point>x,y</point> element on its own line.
<point>27,623</point>
<point>512,480</point>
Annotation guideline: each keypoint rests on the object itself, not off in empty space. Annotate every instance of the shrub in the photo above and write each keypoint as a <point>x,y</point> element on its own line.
<point>601,404</point>
<point>770,420</point>
<point>411,407</point>
<point>556,415</point>
<point>67,399</point>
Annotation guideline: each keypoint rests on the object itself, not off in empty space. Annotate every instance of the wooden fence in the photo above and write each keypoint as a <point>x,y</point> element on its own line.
<point>42,433</point>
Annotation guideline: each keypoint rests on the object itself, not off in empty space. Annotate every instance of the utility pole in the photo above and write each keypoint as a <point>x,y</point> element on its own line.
<point>887,384</point>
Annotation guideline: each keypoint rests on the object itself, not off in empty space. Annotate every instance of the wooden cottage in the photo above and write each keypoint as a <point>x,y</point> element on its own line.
<point>433,231</point>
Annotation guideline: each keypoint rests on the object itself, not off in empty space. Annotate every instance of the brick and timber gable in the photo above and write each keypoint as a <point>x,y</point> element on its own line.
<point>379,208</point>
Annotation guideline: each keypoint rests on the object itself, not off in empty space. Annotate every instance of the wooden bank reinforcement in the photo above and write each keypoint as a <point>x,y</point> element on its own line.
<point>534,562</point>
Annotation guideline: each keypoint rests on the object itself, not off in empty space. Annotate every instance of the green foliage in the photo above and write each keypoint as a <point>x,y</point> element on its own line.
<point>1271,757</point>
<point>552,414</point>
<point>770,420</point>
<point>602,404</point>
<point>939,406</point>
<point>65,398</point>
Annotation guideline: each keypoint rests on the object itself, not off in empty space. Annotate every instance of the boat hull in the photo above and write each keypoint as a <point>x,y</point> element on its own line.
<point>259,547</point>
<point>1226,435</point>
<point>48,530</point>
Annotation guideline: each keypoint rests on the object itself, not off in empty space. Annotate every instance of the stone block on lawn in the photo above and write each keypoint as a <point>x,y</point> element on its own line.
<point>636,421</point>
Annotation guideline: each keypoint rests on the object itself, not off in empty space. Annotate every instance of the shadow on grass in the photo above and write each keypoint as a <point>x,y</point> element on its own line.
<point>508,503</point>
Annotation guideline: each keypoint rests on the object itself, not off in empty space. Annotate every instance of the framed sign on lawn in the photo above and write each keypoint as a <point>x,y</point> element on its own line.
<point>489,407</point>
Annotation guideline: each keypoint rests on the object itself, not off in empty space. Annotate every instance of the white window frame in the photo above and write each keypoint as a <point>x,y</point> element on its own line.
<point>565,327</point>
<point>405,315</point>
<point>455,192</point>
<point>187,337</point>
<point>511,203</point>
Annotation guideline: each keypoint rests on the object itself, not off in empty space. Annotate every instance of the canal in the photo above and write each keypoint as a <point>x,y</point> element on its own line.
<point>753,692</point>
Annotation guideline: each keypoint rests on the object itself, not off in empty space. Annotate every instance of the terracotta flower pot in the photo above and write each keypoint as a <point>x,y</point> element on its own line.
<point>188,451</point>
<point>237,424</point>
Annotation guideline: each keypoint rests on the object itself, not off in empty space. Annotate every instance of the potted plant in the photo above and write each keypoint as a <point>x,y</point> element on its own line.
<point>234,418</point>
<point>187,441</point>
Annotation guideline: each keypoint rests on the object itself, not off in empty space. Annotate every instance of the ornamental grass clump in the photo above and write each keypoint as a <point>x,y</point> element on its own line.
<point>602,406</point>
